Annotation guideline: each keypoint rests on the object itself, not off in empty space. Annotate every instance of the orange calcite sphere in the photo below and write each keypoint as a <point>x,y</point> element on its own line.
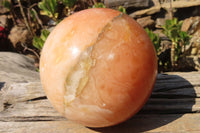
<point>98,67</point>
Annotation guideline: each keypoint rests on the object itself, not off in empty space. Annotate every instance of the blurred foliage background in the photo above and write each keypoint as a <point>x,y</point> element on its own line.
<point>174,35</point>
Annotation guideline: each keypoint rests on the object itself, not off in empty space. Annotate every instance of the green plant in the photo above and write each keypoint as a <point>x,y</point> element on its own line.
<point>122,9</point>
<point>49,8</point>
<point>184,39</point>
<point>38,42</point>
<point>99,5</point>
<point>172,29</point>
<point>54,8</point>
<point>155,39</point>
<point>68,3</point>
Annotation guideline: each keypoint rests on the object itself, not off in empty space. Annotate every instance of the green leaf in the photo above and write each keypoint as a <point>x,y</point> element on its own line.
<point>44,35</point>
<point>174,21</point>
<point>122,9</point>
<point>38,42</point>
<point>176,57</point>
<point>172,29</point>
<point>48,8</point>
<point>99,5</point>
<point>68,3</point>
<point>154,38</point>
<point>44,9</point>
<point>167,23</point>
<point>180,23</point>
<point>52,4</point>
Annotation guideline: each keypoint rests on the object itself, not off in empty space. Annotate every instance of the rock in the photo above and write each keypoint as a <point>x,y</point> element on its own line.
<point>144,12</point>
<point>146,22</point>
<point>186,25</point>
<point>191,25</point>
<point>127,3</point>
<point>17,67</point>
<point>3,21</point>
<point>19,35</point>
<point>16,71</point>
<point>165,44</point>
<point>165,5</point>
<point>155,3</point>
<point>50,29</point>
<point>195,43</point>
<point>3,10</point>
<point>194,51</point>
<point>161,34</point>
<point>180,4</point>
<point>160,22</point>
<point>190,63</point>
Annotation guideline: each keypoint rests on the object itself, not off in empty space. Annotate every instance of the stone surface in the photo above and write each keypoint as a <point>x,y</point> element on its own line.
<point>181,4</point>
<point>16,68</point>
<point>174,105</point>
<point>165,5</point>
<point>144,12</point>
<point>146,124</point>
<point>161,34</point>
<point>160,22</point>
<point>3,21</point>
<point>189,63</point>
<point>17,63</point>
<point>127,3</point>
<point>146,22</point>
<point>186,25</point>
<point>192,26</point>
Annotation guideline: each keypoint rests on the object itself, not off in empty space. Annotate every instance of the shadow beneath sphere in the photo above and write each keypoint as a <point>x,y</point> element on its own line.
<point>172,97</point>
<point>2,85</point>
